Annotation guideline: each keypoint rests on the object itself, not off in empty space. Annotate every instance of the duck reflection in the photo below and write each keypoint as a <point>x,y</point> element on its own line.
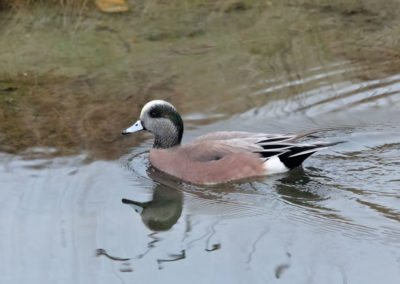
<point>299,188</point>
<point>308,190</point>
<point>163,211</point>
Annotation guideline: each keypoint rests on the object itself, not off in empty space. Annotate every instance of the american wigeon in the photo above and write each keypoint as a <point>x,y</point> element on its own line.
<point>217,157</point>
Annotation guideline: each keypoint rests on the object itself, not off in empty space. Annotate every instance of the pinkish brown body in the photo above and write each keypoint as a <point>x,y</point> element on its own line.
<point>184,163</point>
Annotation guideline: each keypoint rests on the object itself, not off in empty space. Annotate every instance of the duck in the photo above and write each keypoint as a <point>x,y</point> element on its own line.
<point>218,157</point>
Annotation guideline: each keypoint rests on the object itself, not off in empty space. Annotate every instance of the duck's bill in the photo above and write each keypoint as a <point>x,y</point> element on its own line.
<point>134,128</point>
<point>137,206</point>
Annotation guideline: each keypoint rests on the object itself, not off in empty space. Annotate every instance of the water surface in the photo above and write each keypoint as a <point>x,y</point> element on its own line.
<point>336,220</point>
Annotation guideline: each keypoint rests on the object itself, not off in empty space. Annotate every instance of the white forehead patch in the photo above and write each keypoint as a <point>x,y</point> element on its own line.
<point>150,104</point>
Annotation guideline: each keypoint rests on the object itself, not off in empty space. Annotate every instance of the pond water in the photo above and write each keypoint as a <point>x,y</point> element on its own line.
<point>336,220</point>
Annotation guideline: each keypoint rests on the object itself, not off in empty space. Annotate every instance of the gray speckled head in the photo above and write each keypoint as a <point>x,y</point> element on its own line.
<point>160,118</point>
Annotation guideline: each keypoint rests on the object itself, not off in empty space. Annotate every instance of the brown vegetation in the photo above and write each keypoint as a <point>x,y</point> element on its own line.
<point>72,80</point>
<point>22,4</point>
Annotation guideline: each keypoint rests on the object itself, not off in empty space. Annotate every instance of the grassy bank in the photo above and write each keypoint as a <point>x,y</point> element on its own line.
<point>71,76</point>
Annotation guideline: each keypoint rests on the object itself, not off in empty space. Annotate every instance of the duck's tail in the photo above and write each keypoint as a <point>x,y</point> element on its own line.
<point>293,156</point>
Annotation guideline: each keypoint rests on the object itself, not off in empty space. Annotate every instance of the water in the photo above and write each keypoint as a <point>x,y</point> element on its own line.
<point>62,219</point>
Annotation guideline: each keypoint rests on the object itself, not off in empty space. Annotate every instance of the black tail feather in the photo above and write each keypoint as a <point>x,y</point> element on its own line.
<point>294,161</point>
<point>294,156</point>
<point>268,154</point>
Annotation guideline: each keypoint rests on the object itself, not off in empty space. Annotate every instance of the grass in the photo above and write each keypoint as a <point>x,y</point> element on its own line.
<point>72,77</point>
<point>27,4</point>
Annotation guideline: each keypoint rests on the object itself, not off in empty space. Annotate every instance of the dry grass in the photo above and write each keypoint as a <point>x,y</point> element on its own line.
<point>24,4</point>
<point>72,81</point>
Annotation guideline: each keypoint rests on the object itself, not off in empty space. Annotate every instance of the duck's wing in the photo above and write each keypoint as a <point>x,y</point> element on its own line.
<point>266,146</point>
<point>227,135</point>
<point>214,149</point>
<point>217,144</point>
<point>258,137</point>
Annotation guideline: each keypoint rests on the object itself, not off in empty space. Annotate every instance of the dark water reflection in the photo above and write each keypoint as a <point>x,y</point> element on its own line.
<point>162,211</point>
<point>334,221</point>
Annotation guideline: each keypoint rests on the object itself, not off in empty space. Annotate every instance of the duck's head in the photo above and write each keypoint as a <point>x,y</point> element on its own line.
<point>162,119</point>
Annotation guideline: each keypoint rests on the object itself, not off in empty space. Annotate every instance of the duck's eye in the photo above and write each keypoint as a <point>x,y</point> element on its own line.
<point>154,113</point>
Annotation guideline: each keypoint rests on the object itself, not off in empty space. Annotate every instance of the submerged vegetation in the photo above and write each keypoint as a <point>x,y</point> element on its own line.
<point>71,76</point>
